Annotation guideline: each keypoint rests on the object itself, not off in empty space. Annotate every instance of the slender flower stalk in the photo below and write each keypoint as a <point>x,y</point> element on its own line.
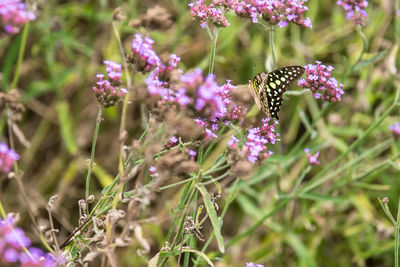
<point>96,133</point>
<point>214,39</point>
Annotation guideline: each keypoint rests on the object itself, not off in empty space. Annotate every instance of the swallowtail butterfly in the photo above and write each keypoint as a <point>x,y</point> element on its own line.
<point>267,88</point>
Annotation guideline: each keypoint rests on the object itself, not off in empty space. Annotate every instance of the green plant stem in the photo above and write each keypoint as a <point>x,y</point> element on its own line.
<point>214,39</point>
<point>396,236</point>
<point>272,46</point>
<point>20,55</point>
<point>96,133</point>
<point>363,51</point>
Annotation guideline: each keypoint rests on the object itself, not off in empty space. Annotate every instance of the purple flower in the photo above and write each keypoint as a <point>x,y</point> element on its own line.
<point>144,58</point>
<point>257,140</point>
<point>113,70</point>
<point>355,10</point>
<point>152,170</point>
<point>395,129</point>
<point>214,12</point>
<point>14,243</point>
<point>156,87</point>
<point>250,264</point>
<point>192,154</point>
<point>13,15</point>
<point>173,139</point>
<point>107,94</point>
<point>233,141</point>
<point>312,159</point>
<point>320,82</point>
<point>274,12</point>
<point>7,158</point>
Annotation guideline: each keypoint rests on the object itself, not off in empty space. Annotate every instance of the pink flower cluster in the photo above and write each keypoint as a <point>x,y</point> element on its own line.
<point>320,82</point>
<point>312,159</point>
<point>144,58</point>
<point>355,10</point>
<point>212,101</point>
<point>214,12</point>
<point>250,264</point>
<point>257,140</point>
<point>108,93</point>
<point>13,15</point>
<point>7,158</point>
<point>13,243</point>
<point>395,129</point>
<point>275,12</point>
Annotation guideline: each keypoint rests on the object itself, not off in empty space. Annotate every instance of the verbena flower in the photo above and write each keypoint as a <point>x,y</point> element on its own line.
<point>250,264</point>
<point>107,94</point>
<point>164,70</point>
<point>13,15</point>
<point>192,154</point>
<point>214,12</point>
<point>320,82</point>
<point>156,87</point>
<point>395,129</point>
<point>7,158</point>
<point>143,56</point>
<point>355,10</point>
<point>113,70</point>
<point>275,12</point>
<point>13,243</point>
<point>312,159</point>
<point>153,170</point>
<point>257,140</point>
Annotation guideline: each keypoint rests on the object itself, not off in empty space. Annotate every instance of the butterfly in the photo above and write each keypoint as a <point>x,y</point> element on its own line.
<point>267,88</point>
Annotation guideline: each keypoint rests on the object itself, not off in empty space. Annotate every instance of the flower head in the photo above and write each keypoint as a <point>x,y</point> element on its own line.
<point>13,15</point>
<point>257,140</point>
<point>275,12</point>
<point>355,10</point>
<point>250,264</point>
<point>107,94</point>
<point>113,70</point>
<point>320,82</point>
<point>153,170</point>
<point>214,12</point>
<point>395,129</point>
<point>14,243</point>
<point>7,158</point>
<point>143,56</point>
<point>312,159</point>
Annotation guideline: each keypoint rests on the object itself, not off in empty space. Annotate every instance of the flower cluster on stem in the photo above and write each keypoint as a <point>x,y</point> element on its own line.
<point>15,247</point>
<point>276,13</point>
<point>143,56</point>
<point>7,158</point>
<point>320,82</point>
<point>214,12</point>
<point>257,140</point>
<point>355,10</point>
<point>395,129</point>
<point>312,159</point>
<point>108,93</point>
<point>13,15</point>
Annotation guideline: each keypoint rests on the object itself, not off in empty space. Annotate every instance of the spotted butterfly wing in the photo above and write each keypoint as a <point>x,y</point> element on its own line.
<point>267,88</point>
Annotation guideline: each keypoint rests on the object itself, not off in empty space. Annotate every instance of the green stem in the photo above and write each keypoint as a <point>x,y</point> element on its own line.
<point>214,39</point>
<point>20,55</point>
<point>2,211</point>
<point>96,133</point>
<point>272,46</point>
<point>363,51</point>
<point>396,237</point>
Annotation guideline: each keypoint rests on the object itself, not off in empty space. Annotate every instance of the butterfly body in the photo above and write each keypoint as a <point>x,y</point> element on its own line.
<point>267,88</point>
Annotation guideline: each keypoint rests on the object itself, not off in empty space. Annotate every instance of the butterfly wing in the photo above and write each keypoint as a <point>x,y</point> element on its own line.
<point>270,87</point>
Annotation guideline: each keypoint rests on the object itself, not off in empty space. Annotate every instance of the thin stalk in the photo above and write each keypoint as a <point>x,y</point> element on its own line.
<point>20,55</point>
<point>96,133</point>
<point>396,237</point>
<point>214,39</point>
<point>272,46</point>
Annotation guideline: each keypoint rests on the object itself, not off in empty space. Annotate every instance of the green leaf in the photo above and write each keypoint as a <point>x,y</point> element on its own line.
<point>213,217</point>
<point>371,60</point>
<point>201,254</point>
<point>9,60</point>
<point>66,127</point>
